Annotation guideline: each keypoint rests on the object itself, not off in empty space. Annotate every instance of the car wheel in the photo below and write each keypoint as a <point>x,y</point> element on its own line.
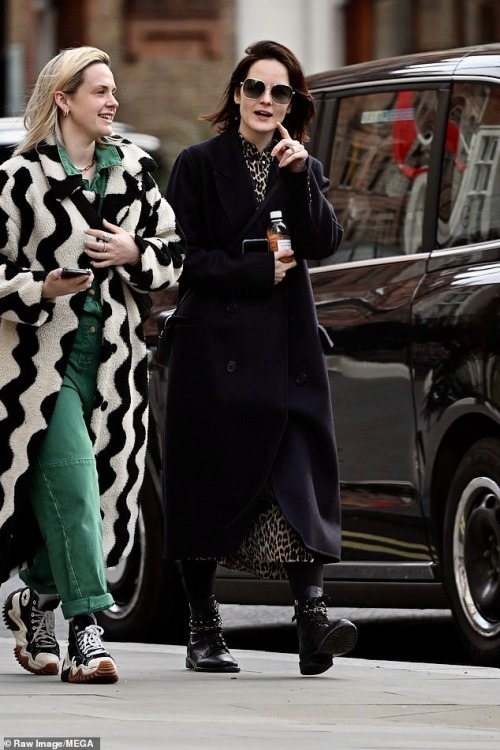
<point>471,550</point>
<point>150,603</point>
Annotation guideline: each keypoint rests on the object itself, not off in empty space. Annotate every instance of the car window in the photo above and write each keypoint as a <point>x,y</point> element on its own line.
<point>378,172</point>
<point>469,207</point>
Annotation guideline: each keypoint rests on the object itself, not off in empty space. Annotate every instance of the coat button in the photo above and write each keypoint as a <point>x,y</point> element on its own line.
<point>91,329</point>
<point>301,378</point>
<point>231,366</point>
<point>91,292</point>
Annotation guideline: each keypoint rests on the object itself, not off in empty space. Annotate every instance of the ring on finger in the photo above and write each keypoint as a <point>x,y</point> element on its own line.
<point>292,149</point>
<point>106,237</point>
<point>104,246</point>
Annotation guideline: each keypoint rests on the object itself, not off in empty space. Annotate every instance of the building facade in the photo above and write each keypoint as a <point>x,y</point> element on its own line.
<point>172,58</point>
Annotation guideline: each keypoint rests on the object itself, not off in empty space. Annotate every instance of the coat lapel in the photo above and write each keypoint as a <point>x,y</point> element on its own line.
<point>234,185</point>
<point>233,182</point>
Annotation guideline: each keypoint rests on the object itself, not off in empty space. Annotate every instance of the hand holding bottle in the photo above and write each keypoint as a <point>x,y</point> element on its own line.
<point>283,262</point>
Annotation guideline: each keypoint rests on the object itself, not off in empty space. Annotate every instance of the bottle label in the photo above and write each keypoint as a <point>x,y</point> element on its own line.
<point>284,244</point>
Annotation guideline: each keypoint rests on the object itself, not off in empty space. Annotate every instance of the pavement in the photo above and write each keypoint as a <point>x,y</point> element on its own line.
<point>158,703</point>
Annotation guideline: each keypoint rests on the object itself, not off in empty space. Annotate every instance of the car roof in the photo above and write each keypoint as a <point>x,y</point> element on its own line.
<point>479,62</point>
<point>12,131</point>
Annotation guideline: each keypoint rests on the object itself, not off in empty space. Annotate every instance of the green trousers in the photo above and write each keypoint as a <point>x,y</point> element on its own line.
<point>64,490</point>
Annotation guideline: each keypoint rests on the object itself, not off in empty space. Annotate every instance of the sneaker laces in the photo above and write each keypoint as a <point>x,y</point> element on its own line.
<point>89,641</point>
<point>43,624</point>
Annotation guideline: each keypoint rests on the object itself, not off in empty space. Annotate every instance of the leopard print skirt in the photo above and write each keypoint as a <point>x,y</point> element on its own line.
<point>268,544</point>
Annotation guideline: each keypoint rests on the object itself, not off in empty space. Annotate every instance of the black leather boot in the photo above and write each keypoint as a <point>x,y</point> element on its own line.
<point>207,650</point>
<point>319,639</point>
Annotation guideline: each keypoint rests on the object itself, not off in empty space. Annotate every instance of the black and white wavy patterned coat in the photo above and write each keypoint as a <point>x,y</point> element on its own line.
<point>41,229</point>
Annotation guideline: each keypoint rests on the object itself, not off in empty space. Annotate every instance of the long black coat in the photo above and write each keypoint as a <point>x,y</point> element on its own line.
<point>247,394</point>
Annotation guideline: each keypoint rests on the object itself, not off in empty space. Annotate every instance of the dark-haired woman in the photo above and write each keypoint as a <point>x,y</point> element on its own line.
<point>251,476</point>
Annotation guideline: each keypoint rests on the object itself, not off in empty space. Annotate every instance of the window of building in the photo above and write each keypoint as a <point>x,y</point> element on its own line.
<point>469,208</point>
<point>173,28</point>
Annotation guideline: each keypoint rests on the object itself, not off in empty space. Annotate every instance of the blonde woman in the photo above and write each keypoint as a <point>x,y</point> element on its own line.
<point>73,380</point>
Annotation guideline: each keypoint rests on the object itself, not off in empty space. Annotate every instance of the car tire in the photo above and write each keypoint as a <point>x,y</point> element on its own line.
<point>150,603</point>
<point>471,550</point>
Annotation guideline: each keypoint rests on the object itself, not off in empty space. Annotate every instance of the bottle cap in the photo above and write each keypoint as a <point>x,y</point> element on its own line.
<point>275,215</point>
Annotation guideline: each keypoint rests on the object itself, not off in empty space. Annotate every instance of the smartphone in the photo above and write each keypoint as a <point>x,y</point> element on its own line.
<point>67,272</point>
<point>260,245</point>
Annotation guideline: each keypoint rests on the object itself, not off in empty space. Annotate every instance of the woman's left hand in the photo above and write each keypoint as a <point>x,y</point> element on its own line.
<point>112,247</point>
<point>290,154</point>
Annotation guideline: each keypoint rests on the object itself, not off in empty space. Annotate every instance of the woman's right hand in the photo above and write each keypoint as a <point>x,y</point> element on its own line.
<point>281,268</point>
<point>57,286</point>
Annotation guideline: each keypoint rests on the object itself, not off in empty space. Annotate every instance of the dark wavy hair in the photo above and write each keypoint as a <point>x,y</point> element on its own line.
<point>302,104</point>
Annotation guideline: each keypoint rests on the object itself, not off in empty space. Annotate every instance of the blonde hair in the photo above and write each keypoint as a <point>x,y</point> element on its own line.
<point>63,73</point>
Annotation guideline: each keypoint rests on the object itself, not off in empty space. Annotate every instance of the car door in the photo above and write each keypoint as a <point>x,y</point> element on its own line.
<point>379,166</point>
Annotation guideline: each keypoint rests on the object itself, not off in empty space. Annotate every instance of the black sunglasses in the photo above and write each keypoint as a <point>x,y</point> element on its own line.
<point>252,88</point>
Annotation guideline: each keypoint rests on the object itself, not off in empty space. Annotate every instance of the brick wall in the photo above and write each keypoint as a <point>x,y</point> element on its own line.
<point>167,74</point>
<point>169,82</point>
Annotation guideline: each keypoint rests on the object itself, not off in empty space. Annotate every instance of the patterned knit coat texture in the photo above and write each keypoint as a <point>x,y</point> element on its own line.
<point>42,229</point>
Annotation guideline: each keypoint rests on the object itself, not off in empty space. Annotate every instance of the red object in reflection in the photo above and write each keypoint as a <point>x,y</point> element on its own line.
<point>404,134</point>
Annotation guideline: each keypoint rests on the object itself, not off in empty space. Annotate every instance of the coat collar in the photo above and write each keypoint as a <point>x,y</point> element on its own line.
<point>60,184</point>
<point>233,182</point>
<point>135,162</point>
<point>229,156</point>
